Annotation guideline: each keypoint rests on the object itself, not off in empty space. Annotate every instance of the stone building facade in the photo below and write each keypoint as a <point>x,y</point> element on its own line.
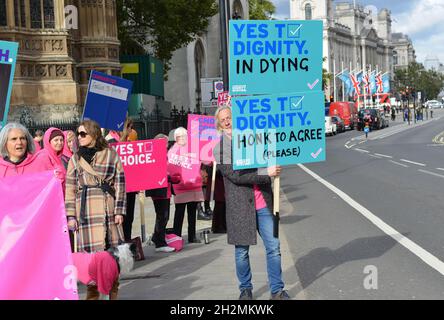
<point>202,58</point>
<point>55,59</point>
<point>403,53</point>
<point>354,37</point>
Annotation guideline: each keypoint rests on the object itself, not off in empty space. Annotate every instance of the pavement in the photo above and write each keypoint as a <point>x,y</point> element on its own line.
<point>198,272</point>
<point>204,271</point>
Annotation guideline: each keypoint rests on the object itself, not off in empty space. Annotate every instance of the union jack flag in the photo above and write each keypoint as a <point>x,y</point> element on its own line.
<point>379,83</point>
<point>366,81</point>
<point>355,83</point>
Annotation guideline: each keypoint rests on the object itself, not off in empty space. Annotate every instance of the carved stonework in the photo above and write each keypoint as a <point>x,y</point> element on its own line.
<point>113,53</point>
<point>95,52</point>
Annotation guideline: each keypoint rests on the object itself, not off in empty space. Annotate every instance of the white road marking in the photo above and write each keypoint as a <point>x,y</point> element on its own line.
<point>361,150</point>
<point>431,173</point>
<point>362,142</point>
<point>441,169</point>
<point>371,155</point>
<point>421,253</point>
<point>412,162</point>
<point>399,164</point>
<point>383,155</point>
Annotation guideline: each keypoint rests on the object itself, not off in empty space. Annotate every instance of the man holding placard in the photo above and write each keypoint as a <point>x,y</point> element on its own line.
<point>278,119</point>
<point>249,204</point>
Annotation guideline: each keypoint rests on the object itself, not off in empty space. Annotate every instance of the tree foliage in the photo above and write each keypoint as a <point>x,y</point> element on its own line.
<point>261,9</point>
<point>417,78</point>
<point>160,27</point>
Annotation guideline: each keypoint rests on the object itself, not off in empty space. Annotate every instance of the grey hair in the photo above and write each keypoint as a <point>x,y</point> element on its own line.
<point>161,136</point>
<point>181,131</point>
<point>30,148</point>
<point>216,115</point>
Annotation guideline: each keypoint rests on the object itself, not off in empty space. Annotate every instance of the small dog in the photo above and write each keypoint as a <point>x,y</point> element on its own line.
<point>100,271</point>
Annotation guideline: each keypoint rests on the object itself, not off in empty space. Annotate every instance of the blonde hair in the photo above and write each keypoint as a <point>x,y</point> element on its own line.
<point>216,115</point>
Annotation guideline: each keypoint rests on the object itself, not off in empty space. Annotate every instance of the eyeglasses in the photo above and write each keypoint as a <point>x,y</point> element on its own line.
<point>82,134</point>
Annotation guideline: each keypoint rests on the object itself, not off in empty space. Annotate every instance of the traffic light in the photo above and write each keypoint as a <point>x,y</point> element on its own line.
<point>332,99</point>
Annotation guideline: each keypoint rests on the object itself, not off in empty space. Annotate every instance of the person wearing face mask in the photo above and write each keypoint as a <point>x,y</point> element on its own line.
<point>17,153</point>
<point>95,191</point>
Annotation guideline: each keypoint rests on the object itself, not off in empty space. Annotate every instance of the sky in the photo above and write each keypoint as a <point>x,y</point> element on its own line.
<point>421,20</point>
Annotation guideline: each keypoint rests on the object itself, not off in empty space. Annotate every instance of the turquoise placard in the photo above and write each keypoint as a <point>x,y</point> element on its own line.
<point>273,57</point>
<point>8,59</point>
<point>283,129</point>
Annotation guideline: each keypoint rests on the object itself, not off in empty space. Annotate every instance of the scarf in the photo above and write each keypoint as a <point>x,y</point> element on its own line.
<point>87,153</point>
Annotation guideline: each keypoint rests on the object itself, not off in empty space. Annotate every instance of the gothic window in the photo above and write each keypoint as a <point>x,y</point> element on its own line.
<point>2,12</point>
<point>308,12</point>
<point>36,14</point>
<point>48,14</point>
<point>20,13</point>
<point>199,62</point>
<point>42,14</point>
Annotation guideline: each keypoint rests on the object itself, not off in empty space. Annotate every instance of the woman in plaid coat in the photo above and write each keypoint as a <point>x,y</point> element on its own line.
<point>95,191</point>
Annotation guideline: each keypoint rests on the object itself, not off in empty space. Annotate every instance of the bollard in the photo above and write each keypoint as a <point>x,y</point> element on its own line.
<point>206,236</point>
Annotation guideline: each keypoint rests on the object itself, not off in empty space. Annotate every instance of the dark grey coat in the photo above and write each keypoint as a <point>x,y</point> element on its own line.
<point>239,196</point>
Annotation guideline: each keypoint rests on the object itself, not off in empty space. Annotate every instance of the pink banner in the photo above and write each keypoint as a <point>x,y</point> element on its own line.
<point>35,252</point>
<point>202,136</point>
<point>144,163</point>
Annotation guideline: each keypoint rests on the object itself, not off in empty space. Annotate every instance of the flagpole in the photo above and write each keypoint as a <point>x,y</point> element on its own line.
<point>334,79</point>
<point>343,88</point>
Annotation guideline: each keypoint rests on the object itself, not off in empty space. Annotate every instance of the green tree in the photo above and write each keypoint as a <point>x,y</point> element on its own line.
<point>326,77</point>
<point>417,78</point>
<point>161,27</point>
<point>261,9</point>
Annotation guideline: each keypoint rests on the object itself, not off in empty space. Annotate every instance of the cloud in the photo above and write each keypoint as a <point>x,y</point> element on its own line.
<point>423,24</point>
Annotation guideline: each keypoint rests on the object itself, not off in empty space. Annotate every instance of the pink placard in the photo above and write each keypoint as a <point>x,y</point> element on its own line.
<point>186,164</point>
<point>202,136</point>
<point>144,163</point>
<point>223,99</point>
<point>35,252</point>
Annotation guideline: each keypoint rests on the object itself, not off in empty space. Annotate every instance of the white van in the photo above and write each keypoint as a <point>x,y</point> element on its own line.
<point>330,127</point>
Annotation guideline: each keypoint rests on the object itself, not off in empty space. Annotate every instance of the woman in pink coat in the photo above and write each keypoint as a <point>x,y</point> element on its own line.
<point>53,143</point>
<point>188,193</point>
<point>17,152</point>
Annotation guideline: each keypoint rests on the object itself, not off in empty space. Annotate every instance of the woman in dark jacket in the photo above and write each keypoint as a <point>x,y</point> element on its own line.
<point>249,205</point>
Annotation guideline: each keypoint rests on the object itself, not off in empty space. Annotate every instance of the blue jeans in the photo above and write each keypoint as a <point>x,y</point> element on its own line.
<point>272,246</point>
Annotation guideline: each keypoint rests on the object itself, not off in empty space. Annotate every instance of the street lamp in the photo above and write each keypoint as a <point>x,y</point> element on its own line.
<point>224,13</point>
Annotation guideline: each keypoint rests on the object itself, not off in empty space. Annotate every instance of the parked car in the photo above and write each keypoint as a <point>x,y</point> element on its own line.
<point>375,118</point>
<point>330,127</point>
<point>340,125</point>
<point>346,111</point>
<point>434,104</point>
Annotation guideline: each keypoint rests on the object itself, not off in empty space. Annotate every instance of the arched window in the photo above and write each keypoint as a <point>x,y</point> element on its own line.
<point>237,11</point>
<point>42,14</point>
<point>199,65</point>
<point>2,12</point>
<point>308,12</point>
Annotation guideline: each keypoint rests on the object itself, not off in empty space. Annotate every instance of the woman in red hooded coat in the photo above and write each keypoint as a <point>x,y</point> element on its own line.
<point>53,143</point>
